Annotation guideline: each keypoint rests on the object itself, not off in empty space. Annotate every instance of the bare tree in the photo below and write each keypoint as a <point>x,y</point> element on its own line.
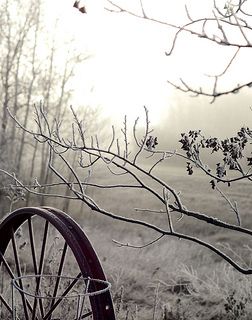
<point>34,74</point>
<point>228,27</point>
<point>13,35</point>
<point>27,75</point>
<point>135,171</point>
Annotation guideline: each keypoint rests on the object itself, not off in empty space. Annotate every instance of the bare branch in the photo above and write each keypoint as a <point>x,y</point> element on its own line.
<point>232,206</point>
<point>141,176</point>
<point>166,199</point>
<point>232,18</point>
<point>121,244</point>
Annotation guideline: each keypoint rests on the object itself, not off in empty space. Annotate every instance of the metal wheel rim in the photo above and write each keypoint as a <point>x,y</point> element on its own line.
<point>75,238</point>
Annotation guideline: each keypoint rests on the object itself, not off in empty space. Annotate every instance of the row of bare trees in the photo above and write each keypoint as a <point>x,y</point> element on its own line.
<point>36,66</point>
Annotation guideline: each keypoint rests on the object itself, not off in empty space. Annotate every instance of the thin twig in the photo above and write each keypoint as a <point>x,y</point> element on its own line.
<point>232,206</point>
<point>121,244</point>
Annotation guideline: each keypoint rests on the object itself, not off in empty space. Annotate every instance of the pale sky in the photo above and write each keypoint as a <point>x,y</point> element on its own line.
<point>128,68</point>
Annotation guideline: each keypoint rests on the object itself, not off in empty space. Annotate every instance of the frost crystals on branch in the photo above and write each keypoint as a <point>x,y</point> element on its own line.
<point>132,157</point>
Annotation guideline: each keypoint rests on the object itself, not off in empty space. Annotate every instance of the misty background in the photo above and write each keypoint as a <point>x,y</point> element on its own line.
<point>107,65</point>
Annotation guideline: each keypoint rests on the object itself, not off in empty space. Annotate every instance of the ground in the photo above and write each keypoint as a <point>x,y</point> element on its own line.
<point>174,279</point>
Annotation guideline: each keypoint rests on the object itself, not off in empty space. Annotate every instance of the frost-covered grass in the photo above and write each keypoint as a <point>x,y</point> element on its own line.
<point>172,279</point>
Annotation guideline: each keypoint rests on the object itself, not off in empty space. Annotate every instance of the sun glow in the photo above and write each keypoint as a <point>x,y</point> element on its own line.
<point>127,68</point>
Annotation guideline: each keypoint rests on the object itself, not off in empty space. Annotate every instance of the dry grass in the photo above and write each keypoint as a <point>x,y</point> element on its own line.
<point>172,279</point>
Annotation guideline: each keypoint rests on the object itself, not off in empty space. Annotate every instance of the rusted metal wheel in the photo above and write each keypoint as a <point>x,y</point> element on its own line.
<point>39,241</point>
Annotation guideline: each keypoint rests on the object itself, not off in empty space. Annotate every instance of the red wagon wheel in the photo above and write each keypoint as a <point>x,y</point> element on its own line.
<point>37,241</point>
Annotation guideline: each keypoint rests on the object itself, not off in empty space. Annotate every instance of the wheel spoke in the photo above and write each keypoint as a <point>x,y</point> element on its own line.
<point>42,254</point>
<point>61,265</point>
<point>8,268</point>
<point>12,275</point>
<point>69,287</point>
<point>40,270</point>
<point>7,306</point>
<point>32,242</point>
<point>80,308</point>
<point>19,273</point>
<point>86,315</point>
